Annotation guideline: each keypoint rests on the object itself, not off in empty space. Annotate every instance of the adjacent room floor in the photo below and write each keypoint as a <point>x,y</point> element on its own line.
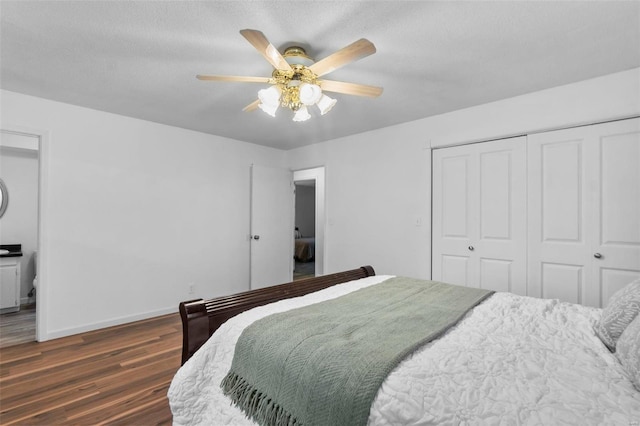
<point>18,327</point>
<point>304,270</point>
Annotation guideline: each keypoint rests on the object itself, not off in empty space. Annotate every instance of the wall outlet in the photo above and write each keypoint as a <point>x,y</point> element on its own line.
<point>192,288</point>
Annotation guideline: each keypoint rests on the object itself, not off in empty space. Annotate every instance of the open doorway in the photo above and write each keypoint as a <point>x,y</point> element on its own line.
<point>19,173</point>
<point>304,252</point>
<point>309,244</point>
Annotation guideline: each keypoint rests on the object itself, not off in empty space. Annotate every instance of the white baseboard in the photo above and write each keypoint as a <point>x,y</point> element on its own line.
<point>55,334</point>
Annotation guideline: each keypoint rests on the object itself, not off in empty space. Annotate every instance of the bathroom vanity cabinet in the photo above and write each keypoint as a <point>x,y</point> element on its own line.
<point>9,284</point>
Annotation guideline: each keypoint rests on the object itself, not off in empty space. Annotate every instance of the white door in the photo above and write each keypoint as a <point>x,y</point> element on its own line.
<point>479,215</point>
<point>615,249</point>
<point>584,211</point>
<point>272,227</point>
<point>452,211</point>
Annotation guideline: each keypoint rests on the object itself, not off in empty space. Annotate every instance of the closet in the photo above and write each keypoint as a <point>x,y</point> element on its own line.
<point>584,211</point>
<point>479,215</point>
<point>553,214</point>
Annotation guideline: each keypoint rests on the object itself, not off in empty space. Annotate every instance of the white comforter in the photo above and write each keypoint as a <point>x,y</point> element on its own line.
<point>511,360</point>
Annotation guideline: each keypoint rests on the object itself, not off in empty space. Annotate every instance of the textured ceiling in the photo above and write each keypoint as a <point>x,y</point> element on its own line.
<point>140,58</point>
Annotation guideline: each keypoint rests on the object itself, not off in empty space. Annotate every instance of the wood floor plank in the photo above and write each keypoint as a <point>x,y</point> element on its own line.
<point>118,375</point>
<point>135,399</point>
<point>69,355</point>
<point>26,350</point>
<point>24,413</point>
<point>86,371</point>
<point>113,395</point>
<point>157,413</point>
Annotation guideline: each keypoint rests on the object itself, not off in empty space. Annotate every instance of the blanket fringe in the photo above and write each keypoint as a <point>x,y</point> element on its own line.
<point>255,404</point>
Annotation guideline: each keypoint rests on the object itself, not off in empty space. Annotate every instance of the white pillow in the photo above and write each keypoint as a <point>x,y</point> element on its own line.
<point>622,308</point>
<point>628,351</point>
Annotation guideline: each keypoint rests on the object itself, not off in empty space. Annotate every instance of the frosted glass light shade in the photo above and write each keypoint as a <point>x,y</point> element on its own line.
<point>310,93</point>
<point>269,109</point>
<point>302,114</point>
<point>270,96</point>
<point>325,104</point>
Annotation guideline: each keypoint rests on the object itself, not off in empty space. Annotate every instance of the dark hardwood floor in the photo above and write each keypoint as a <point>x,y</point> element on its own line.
<point>118,375</point>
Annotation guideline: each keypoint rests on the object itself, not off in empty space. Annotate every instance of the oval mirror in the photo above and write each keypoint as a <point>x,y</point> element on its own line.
<point>4,197</point>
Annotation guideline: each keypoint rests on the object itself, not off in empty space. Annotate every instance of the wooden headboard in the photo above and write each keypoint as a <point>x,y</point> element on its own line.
<point>200,318</point>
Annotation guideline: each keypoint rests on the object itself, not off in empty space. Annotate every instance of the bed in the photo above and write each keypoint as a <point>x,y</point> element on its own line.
<point>305,249</point>
<point>508,360</point>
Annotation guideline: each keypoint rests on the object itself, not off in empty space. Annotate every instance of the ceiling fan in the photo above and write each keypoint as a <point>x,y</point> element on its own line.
<point>295,81</point>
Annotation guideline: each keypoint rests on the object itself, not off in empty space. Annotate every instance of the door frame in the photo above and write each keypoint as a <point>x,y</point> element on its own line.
<point>42,296</point>
<point>317,174</point>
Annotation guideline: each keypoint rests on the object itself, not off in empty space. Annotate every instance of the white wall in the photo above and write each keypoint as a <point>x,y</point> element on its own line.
<point>377,200</point>
<point>135,212</point>
<point>599,99</point>
<point>19,225</point>
<point>379,183</point>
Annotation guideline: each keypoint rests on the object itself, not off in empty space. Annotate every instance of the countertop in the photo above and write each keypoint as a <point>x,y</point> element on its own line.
<point>15,250</point>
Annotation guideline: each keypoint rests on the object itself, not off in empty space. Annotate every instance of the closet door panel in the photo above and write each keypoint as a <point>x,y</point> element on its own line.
<point>501,192</point>
<point>561,190</point>
<point>620,190</point>
<point>455,270</point>
<point>562,281</point>
<point>496,274</point>
<point>455,197</point>
<point>479,215</point>
<point>616,209</point>
<point>495,195</point>
<point>584,211</point>
<point>557,239</point>
<point>452,211</point>
<point>613,279</point>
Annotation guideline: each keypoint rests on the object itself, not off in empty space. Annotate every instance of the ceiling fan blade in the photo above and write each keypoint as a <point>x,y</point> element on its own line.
<point>342,57</point>
<point>271,54</point>
<point>350,88</point>
<point>233,78</point>
<point>253,105</point>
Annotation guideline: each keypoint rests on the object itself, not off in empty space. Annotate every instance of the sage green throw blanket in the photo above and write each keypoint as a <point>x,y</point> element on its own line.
<point>324,363</point>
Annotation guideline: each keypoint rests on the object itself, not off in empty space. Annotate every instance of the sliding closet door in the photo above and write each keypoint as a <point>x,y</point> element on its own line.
<point>479,215</point>
<point>584,211</point>
<point>559,246</point>
<point>452,231</point>
<point>616,211</point>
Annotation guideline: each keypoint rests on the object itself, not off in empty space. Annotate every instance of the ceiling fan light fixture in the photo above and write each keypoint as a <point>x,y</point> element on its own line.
<point>294,80</point>
<point>296,55</point>
<point>325,104</point>
<point>302,114</point>
<point>270,96</point>
<point>269,109</point>
<point>310,93</point>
